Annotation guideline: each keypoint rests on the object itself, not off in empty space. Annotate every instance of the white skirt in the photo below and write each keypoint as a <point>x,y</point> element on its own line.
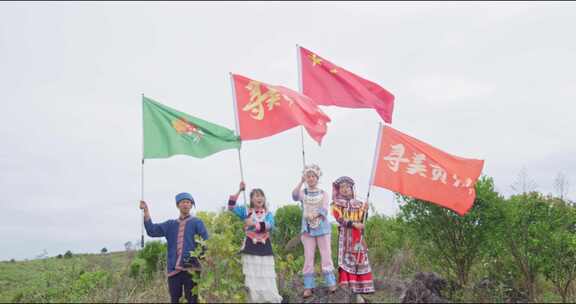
<point>260,278</point>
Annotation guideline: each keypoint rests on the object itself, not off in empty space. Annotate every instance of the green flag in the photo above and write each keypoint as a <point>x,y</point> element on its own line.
<point>168,132</point>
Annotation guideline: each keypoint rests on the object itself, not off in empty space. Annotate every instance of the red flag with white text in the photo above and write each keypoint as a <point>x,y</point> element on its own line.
<point>411,167</point>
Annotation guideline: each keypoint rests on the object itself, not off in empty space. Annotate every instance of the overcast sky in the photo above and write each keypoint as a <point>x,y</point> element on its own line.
<point>494,81</point>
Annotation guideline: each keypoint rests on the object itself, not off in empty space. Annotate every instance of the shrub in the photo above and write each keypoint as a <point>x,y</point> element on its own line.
<point>535,237</point>
<point>560,252</point>
<point>390,245</point>
<point>89,282</point>
<point>136,267</point>
<point>451,242</point>
<point>221,279</point>
<point>286,235</point>
<point>153,253</point>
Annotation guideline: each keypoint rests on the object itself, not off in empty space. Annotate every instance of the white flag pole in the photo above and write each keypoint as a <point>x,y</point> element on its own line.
<point>142,176</point>
<point>300,89</point>
<point>376,153</point>
<point>237,131</point>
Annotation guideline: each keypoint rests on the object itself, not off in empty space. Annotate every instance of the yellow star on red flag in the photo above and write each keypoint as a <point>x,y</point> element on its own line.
<point>315,59</point>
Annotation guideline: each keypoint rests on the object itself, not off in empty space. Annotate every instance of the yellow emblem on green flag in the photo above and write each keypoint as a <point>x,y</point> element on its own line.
<point>169,132</point>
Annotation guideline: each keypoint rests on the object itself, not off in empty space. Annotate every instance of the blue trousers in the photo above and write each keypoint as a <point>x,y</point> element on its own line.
<point>177,282</point>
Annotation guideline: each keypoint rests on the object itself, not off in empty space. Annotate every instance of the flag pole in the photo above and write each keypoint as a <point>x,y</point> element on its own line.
<point>142,177</point>
<point>237,131</point>
<point>300,90</point>
<point>142,198</point>
<point>373,171</point>
<point>365,217</point>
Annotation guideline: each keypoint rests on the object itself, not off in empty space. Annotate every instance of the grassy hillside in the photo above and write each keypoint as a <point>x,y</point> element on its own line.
<point>107,278</point>
<point>80,278</point>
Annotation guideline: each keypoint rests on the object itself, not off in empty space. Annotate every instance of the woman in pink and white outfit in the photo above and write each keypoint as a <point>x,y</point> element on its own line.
<point>316,229</point>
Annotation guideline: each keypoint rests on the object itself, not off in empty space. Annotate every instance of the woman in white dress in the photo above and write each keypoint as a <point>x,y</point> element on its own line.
<point>257,255</point>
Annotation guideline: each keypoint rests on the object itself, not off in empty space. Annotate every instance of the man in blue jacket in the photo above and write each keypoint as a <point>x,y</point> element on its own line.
<point>179,234</point>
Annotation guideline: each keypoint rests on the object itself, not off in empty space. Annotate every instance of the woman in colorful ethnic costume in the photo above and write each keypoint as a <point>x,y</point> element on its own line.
<point>353,265</point>
<point>257,255</point>
<point>315,230</point>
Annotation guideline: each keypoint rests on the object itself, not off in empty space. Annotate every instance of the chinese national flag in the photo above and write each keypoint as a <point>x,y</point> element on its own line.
<point>264,110</point>
<point>328,84</point>
<point>414,168</point>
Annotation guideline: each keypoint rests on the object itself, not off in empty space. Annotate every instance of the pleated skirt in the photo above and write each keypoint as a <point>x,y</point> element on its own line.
<point>260,278</point>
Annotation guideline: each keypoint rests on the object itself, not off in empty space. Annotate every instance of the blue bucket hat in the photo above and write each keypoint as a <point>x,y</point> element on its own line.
<point>184,195</point>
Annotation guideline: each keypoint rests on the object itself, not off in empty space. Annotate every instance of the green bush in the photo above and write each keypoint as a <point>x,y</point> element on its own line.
<point>388,243</point>
<point>533,240</point>
<point>136,267</point>
<point>221,279</point>
<point>286,235</point>
<point>89,282</point>
<point>18,297</point>
<point>153,253</point>
<point>333,246</point>
<point>560,251</point>
<point>453,243</point>
<point>288,267</point>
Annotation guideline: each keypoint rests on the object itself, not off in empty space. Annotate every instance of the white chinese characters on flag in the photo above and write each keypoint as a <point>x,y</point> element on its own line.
<point>411,167</point>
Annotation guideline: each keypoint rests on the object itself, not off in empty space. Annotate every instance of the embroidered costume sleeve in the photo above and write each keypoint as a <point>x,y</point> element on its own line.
<point>338,214</point>
<point>240,211</point>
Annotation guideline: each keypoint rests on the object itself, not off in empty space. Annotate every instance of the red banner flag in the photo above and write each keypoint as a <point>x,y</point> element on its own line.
<point>264,110</point>
<point>414,168</point>
<point>328,84</point>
